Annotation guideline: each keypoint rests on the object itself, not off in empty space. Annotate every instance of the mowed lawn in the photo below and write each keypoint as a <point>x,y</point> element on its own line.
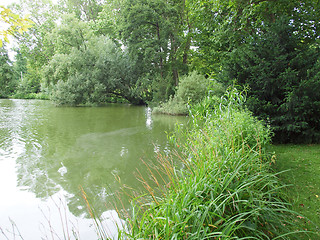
<point>303,176</point>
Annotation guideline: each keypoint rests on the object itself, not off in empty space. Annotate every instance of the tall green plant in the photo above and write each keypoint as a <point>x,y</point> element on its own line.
<point>157,34</point>
<point>217,185</point>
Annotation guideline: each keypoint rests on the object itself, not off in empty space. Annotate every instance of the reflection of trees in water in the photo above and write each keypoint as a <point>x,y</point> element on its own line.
<point>17,135</point>
<point>72,147</point>
<point>95,157</point>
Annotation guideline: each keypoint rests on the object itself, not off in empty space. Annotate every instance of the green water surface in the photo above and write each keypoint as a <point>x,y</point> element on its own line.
<point>47,153</point>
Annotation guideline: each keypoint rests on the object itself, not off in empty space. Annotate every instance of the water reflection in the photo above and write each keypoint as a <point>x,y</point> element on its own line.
<point>53,150</point>
<point>148,118</point>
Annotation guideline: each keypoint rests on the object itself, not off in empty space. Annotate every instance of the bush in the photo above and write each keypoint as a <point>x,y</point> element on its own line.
<point>191,89</point>
<point>172,107</point>
<point>162,88</point>
<point>299,115</point>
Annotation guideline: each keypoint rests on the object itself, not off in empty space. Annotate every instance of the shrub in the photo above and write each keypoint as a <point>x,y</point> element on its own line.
<point>162,88</point>
<point>191,89</point>
<point>172,107</point>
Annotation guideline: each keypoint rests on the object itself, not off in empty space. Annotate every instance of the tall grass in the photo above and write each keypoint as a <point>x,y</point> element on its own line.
<point>217,185</point>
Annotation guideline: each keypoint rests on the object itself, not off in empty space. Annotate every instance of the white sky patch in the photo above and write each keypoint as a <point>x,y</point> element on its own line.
<point>7,2</point>
<point>4,26</point>
<point>12,42</point>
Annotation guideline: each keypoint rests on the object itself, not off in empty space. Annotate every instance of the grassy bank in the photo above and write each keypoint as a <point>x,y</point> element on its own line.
<point>303,176</point>
<point>218,184</point>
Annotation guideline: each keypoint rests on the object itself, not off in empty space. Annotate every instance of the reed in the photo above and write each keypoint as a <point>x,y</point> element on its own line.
<point>217,185</point>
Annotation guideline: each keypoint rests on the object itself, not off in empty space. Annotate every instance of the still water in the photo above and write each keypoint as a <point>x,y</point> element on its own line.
<point>47,153</point>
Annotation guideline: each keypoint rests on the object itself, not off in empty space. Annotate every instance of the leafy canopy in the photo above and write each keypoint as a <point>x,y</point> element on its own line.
<point>12,23</point>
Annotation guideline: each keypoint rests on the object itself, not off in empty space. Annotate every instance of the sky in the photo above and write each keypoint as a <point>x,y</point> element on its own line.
<point>7,2</point>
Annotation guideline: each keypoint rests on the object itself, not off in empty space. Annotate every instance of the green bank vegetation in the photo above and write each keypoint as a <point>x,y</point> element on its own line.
<point>164,54</point>
<point>219,184</point>
<point>181,56</point>
<point>190,91</point>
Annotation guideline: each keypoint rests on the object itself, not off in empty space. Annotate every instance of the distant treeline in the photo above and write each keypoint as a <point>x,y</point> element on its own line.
<point>82,52</point>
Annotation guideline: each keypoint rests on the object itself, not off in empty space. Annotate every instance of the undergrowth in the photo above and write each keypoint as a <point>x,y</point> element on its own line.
<point>191,90</point>
<point>217,185</point>
<point>41,96</point>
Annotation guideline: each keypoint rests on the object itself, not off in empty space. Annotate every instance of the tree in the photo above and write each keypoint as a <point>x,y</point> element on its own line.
<point>7,84</point>
<point>109,20</point>
<point>33,45</point>
<point>281,73</point>
<point>12,23</point>
<point>25,77</point>
<point>223,26</point>
<point>270,46</point>
<point>92,75</point>
<point>70,33</point>
<point>155,33</point>
<point>85,10</point>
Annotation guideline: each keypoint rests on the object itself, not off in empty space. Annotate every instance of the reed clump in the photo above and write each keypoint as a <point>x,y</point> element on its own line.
<point>218,184</point>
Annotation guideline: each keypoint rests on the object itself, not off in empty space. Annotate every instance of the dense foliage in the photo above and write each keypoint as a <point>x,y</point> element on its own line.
<point>282,76</point>
<point>270,46</point>
<point>11,23</point>
<point>190,90</point>
<point>6,75</point>
<point>93,73</point>
<point>224,189</point>
<point>273,48</point>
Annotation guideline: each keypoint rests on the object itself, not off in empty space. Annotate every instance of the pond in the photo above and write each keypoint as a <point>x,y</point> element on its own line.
<point>48,154</point>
